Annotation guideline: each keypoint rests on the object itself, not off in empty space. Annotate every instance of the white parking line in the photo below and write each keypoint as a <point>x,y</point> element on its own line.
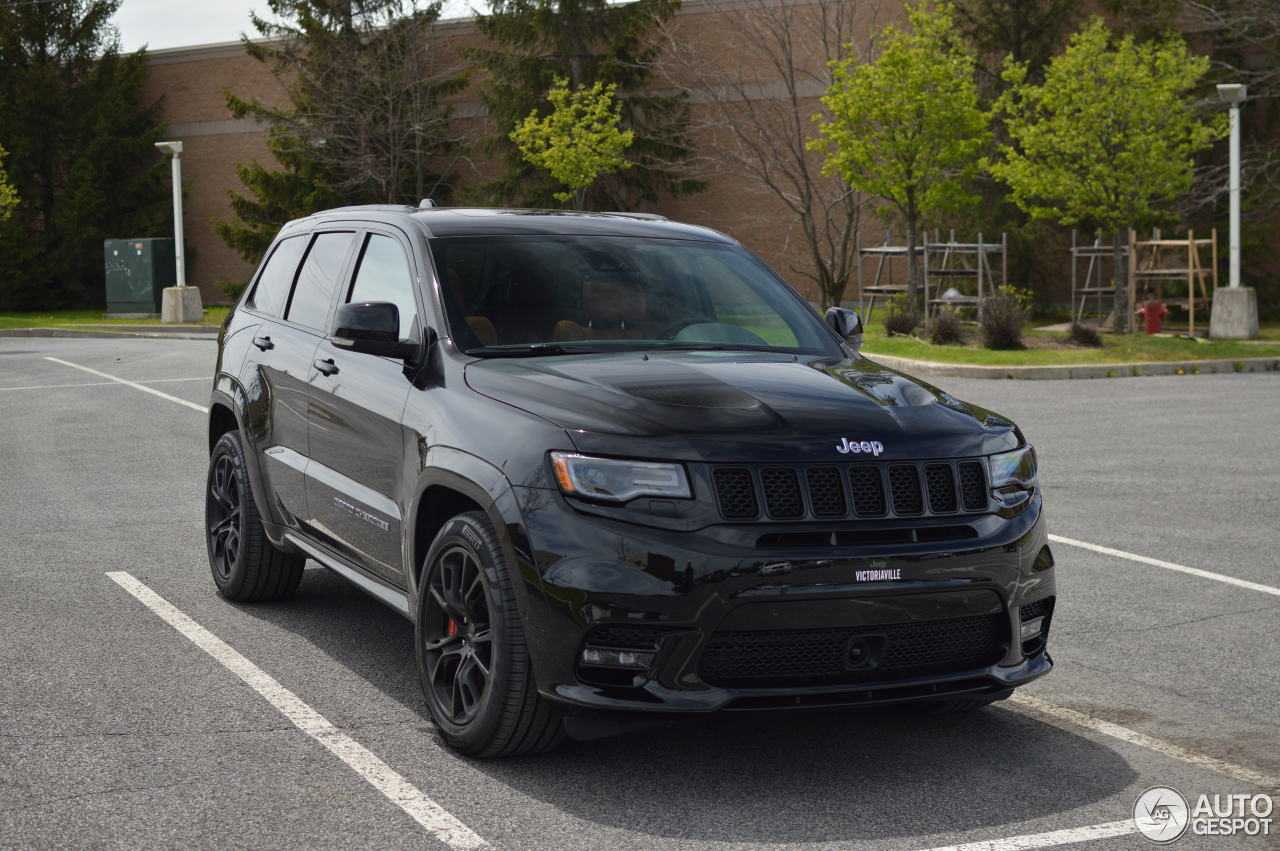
<point>438,821</point>
<point>1167,565</point>
<point>1064,717</point>
<point>100,384</point>
<point>135,385</point>
<point>1067,836</point>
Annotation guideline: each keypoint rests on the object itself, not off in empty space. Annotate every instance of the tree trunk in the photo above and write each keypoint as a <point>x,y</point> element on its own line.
<point>1117,320</point>
<point>913,262</point>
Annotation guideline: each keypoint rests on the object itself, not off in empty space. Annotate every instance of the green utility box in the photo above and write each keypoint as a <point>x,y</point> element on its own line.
<point>138,270</point>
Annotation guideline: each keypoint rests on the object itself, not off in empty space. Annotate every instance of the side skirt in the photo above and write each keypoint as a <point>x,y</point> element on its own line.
<point>380,591</point>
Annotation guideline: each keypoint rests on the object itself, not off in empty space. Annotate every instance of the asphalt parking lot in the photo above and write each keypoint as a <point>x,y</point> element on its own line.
<point>119,730</point>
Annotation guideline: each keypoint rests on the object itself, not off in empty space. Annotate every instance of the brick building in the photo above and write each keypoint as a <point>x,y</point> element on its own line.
<point>193,82</point>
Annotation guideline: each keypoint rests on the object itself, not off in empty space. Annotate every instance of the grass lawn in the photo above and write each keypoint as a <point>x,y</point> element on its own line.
<point>1050,349</point>
<point>213,316</point>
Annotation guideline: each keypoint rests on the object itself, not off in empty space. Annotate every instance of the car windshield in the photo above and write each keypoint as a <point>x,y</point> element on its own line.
<point>534,295</point>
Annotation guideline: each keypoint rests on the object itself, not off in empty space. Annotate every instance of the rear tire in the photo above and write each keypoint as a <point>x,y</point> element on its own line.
<point>473,661</point>
<point>247,568</point>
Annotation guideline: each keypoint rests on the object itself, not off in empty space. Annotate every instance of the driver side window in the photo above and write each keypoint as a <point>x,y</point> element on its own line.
<point>383,275</point>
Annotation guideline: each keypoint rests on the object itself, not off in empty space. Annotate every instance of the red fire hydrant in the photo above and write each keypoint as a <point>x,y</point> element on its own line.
<point>1153,314</point>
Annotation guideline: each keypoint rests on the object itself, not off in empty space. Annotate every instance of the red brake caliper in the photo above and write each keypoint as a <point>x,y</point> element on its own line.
<point>451,628</point>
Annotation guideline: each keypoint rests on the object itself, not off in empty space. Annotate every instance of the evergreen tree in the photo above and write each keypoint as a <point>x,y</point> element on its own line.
<point>364,121</point>
<point>533,43</point>
<point>8,195</point>
<point>80,140</point>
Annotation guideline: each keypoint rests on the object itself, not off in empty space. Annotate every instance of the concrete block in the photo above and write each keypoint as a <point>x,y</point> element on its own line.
<point>1235,314</point>
<point>181,304</point>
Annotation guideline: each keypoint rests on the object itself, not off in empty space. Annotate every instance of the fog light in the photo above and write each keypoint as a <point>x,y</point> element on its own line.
<point>1031,629</point>
<point>604,657</point>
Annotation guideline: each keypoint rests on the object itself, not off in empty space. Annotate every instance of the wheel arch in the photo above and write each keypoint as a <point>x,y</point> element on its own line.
<point>455,482</point>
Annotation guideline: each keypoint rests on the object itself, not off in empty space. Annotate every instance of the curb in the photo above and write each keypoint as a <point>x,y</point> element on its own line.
<point>108,335</point>
<point>1080,371</point>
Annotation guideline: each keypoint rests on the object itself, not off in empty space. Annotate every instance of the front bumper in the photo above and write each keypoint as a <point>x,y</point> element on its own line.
<point>853,626</point>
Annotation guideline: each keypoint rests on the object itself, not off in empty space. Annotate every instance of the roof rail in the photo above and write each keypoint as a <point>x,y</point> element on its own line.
<point>367,208</point>
<point>653,217</point>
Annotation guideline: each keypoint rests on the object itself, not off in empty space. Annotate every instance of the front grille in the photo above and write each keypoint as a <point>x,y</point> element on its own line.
<point>973,485</point>
<point>826,492</point>
<point>904,484</point>
<point>867,486</point>
<point>625,636</point>
<point>846,491</point>
<point>942,488</point>
<point>736,493</point>
<point>793,657</point>
<point>782,493</point>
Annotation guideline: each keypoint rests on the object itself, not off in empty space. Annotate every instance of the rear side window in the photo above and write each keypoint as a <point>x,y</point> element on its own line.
<point>318,280</point>
<point>272,291</point>
<point>384,275</point>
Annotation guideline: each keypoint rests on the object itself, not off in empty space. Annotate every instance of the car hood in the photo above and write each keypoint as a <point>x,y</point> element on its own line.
<point>740,406</point>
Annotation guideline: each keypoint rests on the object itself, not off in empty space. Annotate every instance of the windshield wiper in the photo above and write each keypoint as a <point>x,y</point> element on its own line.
<point>529,350</point>
<point>716,347</point>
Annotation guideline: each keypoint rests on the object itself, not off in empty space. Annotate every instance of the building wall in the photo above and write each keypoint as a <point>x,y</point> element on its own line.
<point>193,83</point>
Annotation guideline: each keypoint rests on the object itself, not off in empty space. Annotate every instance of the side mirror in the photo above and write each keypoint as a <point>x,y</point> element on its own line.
<point>846,323</point>
<point>372,328</point>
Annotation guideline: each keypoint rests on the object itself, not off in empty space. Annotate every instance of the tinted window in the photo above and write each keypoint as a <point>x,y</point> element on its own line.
<point>318,280</point>
<point>272,292</point>
<point>384,275</point>
<point>611,292</point>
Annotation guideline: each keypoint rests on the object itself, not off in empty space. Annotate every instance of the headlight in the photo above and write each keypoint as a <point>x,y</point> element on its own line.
<point>1013,476</point>
<point>618,481</point>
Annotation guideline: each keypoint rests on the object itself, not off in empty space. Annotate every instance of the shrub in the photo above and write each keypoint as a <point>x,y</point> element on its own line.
<point>900,316</point>
<point>1003,316</point>
<point>1083,335</point>
<point>232,289</point>
<point>945,329</point>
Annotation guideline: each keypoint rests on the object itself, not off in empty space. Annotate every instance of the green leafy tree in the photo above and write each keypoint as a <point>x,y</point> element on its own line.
<point>579,140</point>
<point>8,195</point>
<point>908,128</point>
<point>365,118</point>
<point>533,43</point>
<point>79,136</point>
<point>1109,139</point>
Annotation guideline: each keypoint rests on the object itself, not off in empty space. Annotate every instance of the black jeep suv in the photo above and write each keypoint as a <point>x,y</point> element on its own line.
<point>606,461</point>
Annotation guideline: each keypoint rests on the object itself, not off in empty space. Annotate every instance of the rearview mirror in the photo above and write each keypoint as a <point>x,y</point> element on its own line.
<point>846,323</point>
<point>372,328</point>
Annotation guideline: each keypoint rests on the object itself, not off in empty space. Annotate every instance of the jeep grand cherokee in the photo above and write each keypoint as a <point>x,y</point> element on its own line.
<point>606,461</point>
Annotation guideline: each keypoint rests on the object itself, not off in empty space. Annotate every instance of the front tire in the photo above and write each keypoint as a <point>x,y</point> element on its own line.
<point>473,661</point>
<point>247,568</point>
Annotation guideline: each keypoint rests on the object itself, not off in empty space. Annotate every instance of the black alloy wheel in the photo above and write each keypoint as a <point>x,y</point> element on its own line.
<point>457,637</point>
<point>224,516</point>
<point>246,566</point>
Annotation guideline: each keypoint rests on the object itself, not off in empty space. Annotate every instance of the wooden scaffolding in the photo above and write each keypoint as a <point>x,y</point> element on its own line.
<point>968,264</point>
<point>882,285</point>
<point>1094,285</point>
<point>1157,263</point>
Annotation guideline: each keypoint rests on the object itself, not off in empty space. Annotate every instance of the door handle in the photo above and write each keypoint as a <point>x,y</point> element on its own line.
<point>263,343</point>
<point>326,366</point>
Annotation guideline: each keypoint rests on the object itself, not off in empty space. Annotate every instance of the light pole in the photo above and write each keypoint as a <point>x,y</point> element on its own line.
<point>1235,310</point>
<point>174,149</point>
<point>1234,94</point>
<point>180,303</point>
